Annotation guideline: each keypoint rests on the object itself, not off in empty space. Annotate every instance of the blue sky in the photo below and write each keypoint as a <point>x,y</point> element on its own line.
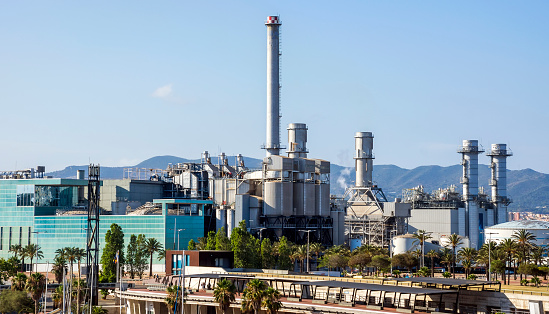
<point>121,81</point>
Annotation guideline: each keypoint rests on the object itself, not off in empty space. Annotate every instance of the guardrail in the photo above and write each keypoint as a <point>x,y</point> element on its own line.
<point>526,292</point>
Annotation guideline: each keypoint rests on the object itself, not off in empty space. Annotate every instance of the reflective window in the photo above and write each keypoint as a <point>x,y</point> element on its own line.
<point>56,196</point>
<point>25,195</point>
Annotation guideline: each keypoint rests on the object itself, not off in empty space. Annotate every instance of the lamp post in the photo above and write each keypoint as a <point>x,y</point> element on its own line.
<point>489,253</point>
<point>308,232</point>
<point>182,273</point>
<point>391,248</point>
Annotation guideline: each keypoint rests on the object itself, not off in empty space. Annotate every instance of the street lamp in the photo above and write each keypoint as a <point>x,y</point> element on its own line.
<point>308,232</point>
<point>391,248</point>
<point>182,273</point>
<point>489,253</point>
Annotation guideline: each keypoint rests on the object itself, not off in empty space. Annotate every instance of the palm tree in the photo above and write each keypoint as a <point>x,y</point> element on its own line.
<point>421,236</point>
<point>537,254</point>
<point>525,242</point>
<point>509,247</point>
<point>253,295</point>
<point>17,251</point>
<point>432,254</point>
<point>57,296</point>
<point>316,249</point>
<point>174,298</point>
<point>152,246</point>
<point>18,282</point>
<point>271,300</point>
<point>446,257</point>
<point>454,240</point>
<point>35,286</point>
<point>467,256</point>
<point>224,294</point>
<point>32,251</point>
<point>79,254</point>
<point>301,255</point>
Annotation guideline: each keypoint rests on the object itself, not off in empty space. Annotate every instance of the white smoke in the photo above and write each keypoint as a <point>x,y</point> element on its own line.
<point>343,178</point>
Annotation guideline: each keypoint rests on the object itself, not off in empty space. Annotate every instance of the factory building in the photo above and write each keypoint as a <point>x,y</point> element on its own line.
<point>446,211</point>
<point>503,231</point>
<point>369,217</point>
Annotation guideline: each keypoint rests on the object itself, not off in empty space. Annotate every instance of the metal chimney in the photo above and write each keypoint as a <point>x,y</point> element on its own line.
<point>364,158</point>
<point>273,86</point>
<point>297,140</point>
<point>469,160</point>
<point>498,155</point>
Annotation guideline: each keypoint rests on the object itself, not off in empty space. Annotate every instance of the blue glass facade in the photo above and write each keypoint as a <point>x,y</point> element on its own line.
<point>28,215</point>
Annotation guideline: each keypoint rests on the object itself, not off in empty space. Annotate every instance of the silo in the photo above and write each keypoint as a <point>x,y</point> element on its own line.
<point>220,218</point>
<point>278,198</point>
<point>309,197</point>
<point>322,199</point>
<point>364,145</point>
<point>297,140</point>
<point>299,198</point>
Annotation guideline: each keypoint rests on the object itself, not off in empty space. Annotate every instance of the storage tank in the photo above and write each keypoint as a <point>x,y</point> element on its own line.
<point>298,198</point>
<point>322,200</point>
<point>278,198</point>
<point>220,218</point>
<point>404,243</point>
<point>309,197</point>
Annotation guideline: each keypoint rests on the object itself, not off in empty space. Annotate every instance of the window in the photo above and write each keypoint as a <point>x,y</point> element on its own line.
<point>20,235</point>
<point>25,195</point>
<point>29,241</point>
<point>9,246</point>
<point>1,237</point>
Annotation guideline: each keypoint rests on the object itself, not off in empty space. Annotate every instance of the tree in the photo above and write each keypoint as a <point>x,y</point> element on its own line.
<point>284,252</point>
<point>455,240</point>
<point>432,254</point>
<point>114,242</point>
<point>406,260</point>
<point>18,282</point>
<point>360,261</point>
<point>79,254</point>
<point>152,246</point>
<point>33,251</point>
<point>421,236</point>
<point>267,254</point>
<point>59,267</point>
<point>508,246</point>
<point>525,242</point>
<point>271,300</point>
<point>192,245</point>
<point>222,242</point>
<point>13,301</point>
<point>224,294</point>
<point>380,262</point>
<point>253,295</point>
<point>136,255</point>
<point>467,256</point>
<point>316,249</point>
<point>173,301</point>
<point>8,268</point>
<point>36,284</point>
<point>18,252</point>
<point>240,239</point>
<point>210,241</point>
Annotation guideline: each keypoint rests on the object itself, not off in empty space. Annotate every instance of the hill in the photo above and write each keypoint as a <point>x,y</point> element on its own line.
<point>528,189</point>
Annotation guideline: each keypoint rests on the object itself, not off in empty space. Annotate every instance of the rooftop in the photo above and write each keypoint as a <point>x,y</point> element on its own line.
<point>522,224</point>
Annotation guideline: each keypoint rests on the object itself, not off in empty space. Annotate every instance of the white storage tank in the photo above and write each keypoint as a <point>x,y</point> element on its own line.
<point>500,232</point>
<point>322,200</point>
<point>404,243</point>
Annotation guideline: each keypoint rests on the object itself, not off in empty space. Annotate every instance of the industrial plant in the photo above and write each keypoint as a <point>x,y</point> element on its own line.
<point>288,195</point>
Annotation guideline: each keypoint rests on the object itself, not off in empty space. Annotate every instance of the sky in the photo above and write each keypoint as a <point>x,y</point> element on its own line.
<point>117,82</point>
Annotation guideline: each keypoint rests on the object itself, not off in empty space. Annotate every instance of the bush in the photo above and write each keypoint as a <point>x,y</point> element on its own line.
<point>446,274</point>
<point>472,277</point>
<point>524,282</point>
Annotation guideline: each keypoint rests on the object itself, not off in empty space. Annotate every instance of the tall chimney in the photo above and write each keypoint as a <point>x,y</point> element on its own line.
<point>498,155</point>
<point>273,86</point>
<point>469,160</point>
<point>364,158</point>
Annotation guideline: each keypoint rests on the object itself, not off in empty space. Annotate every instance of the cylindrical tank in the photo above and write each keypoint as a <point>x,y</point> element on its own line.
<point>355,243</point>
<point>309,197</point>
<point>470,151</point>
<point>273,86</point>
<point>278,198</point>
<point>220,218</point>
<point>298,198</point>
<point>364,145</point>
<point>322,200</point>
<point>297,140</point>
<point>404,243</point>
<point>80,174</point>
<point>230,221</point>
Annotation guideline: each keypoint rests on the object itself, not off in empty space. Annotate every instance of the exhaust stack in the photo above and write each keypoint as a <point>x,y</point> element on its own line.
<point>364,158</point>
<point>273,86</point>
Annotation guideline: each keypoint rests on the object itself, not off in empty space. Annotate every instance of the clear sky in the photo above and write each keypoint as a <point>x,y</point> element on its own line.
<point>117,82</point>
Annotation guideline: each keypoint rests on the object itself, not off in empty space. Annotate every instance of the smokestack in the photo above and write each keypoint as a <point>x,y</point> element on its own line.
<point>364,158</point>
<point>273,86</point>
<point>498,155</point>
<point>297,140</point>
<point>469,160</point>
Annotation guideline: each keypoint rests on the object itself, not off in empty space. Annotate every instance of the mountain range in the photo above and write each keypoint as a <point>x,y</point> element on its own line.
<point>528,189</point>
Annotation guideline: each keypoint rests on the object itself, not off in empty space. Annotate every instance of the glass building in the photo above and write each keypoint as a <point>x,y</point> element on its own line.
<point>53,214</point>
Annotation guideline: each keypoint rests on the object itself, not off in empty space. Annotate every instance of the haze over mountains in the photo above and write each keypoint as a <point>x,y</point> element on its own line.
<point>528,189</point>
